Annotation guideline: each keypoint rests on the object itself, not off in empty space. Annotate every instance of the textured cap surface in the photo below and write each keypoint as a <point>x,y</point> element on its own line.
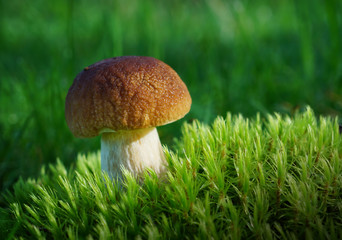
<point>125,93</point>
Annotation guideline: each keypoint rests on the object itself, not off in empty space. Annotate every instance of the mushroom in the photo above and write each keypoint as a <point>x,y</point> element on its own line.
<point>125,99</point>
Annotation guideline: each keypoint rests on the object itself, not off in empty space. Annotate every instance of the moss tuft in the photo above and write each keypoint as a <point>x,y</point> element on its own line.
<point>278,177</point>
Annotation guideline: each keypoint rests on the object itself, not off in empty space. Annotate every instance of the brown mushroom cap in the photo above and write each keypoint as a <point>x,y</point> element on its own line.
<point>125,93</point>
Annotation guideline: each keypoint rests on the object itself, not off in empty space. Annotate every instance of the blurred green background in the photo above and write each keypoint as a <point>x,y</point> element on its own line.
<point>238,56</point>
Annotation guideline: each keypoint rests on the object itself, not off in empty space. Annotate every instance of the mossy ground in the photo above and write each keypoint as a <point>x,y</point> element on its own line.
<point>238,178</point>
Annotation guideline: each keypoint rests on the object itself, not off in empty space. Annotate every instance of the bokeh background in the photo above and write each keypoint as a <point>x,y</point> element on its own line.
<point>238,56</point>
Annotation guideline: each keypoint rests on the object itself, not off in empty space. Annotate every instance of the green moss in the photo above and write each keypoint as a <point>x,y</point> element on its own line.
<point>278,177</point>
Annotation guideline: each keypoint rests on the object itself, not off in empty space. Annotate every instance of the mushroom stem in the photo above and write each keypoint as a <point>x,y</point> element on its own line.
<point>134,150</point>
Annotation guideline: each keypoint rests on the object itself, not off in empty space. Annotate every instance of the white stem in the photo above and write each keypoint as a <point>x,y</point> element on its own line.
<point>134,150</point>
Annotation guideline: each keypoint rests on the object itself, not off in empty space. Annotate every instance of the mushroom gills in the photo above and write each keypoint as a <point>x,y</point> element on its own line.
<point>134,150</point>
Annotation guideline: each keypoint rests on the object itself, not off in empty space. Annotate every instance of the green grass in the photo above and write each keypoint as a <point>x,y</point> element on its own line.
<point>238,56</point>
<point>239,178</point>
